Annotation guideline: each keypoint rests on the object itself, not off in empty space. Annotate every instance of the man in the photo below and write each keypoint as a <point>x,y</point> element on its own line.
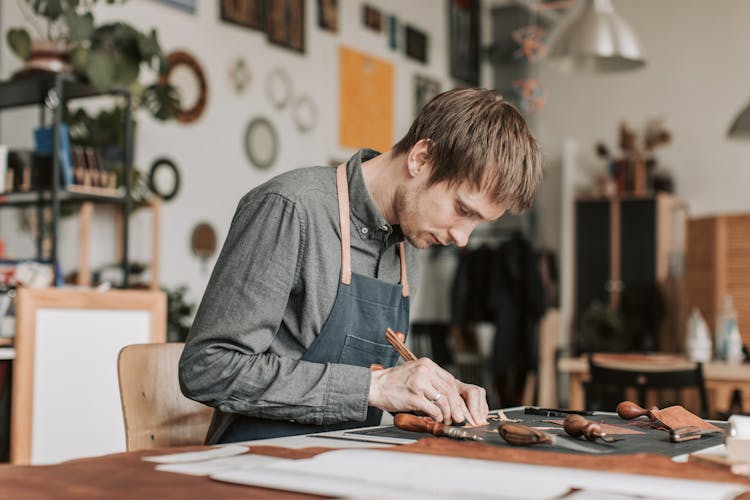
<point>290,334</point>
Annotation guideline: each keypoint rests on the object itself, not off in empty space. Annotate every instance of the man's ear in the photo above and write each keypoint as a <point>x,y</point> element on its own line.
<point>418,158</point>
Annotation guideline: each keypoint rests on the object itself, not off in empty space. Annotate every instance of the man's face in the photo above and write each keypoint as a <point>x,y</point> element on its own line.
<point>441,215</point>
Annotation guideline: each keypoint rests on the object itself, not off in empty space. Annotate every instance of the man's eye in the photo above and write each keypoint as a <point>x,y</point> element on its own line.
<point>462,211</point>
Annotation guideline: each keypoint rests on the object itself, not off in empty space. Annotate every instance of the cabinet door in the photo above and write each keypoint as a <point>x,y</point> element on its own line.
<point>642,305</point>
<point>593,252</point>
<point>637,242</point>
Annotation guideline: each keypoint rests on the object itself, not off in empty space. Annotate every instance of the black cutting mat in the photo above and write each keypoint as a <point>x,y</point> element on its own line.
<point>650,441</point>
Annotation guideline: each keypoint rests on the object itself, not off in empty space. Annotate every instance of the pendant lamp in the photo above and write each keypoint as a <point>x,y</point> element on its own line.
<point>597,39</point>
<point>740,128</point>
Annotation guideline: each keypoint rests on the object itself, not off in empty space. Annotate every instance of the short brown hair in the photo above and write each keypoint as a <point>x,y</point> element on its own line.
<point>477,137</point>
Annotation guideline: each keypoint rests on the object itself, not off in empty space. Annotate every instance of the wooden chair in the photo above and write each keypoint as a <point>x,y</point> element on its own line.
<point>610,380</point>
<point>156,413</point>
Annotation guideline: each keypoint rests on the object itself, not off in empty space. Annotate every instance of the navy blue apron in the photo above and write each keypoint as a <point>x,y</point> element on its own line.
<point>353,334</point>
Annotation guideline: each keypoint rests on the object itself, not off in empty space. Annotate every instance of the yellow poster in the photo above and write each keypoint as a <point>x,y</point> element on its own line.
<point>366,106</point>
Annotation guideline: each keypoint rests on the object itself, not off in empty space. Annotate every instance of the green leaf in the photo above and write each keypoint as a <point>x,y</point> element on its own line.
<point>163,101</point>
<point>101,69</point>
<point>51,9</point>
<point>81,26</point>
<point>148,47</point>
<point>79,58</point>
<point>126,70</point>
<point>19,42</point>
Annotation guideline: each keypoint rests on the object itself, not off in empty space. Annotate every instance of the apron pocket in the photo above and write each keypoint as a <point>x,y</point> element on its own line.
<point>361,352</point>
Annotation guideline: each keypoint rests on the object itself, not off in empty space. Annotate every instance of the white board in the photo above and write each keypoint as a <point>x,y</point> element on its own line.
<point>76,401</point>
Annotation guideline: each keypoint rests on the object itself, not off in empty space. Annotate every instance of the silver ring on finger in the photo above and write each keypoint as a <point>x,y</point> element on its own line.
<point>436,398</point>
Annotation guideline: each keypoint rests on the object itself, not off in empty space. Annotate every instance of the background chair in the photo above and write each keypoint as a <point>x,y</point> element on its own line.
<point>156,413</point>
<point>611,376</point>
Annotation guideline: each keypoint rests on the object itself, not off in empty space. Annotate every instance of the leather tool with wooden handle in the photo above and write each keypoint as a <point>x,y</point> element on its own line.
<point>409,422</point>
<point>522,435</point>
<point>576,425</point>
<point>629,410</point>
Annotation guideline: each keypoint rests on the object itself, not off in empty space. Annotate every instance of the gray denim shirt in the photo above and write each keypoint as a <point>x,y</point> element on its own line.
<point>272,290</point>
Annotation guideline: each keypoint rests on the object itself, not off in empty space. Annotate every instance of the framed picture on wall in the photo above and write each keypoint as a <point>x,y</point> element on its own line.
<point>463,17</point>
<point>372,18</point>
<point>248,13</point>
<point>425,88</point>
<point>416,44</point>
<point>185,5</point>
<point>286,23</point>
<point>328,15</point>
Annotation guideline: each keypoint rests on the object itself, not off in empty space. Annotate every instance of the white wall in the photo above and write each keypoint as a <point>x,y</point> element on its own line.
<point>697,78</point>
<point>209,152</point>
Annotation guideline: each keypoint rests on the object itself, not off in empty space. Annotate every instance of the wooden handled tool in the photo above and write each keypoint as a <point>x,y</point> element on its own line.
<point>399,346</point>
<point>576,425</point>
<point>629,410</point>
<point>409,422</point>
<point>521,435</point>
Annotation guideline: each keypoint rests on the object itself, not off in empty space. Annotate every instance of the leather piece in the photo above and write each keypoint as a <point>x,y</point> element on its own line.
<point>675,417</point>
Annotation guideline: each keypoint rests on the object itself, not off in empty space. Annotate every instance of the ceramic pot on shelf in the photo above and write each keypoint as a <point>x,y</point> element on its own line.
<point>47,55</point>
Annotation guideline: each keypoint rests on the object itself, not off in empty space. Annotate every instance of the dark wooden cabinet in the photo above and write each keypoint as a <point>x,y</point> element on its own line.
<point>625,292</point>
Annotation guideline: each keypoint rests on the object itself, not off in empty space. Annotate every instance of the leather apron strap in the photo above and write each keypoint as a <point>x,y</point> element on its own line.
<point>342,187</point>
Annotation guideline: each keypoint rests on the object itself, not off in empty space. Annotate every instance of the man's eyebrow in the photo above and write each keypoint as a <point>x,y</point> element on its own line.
<point>472,210</point>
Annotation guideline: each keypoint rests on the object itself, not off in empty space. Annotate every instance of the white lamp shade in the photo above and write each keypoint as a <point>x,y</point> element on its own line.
<point>740,128</point>
<point>598,40</point>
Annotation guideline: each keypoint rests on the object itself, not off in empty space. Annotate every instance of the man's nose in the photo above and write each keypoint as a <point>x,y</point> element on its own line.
<point>460,233</point>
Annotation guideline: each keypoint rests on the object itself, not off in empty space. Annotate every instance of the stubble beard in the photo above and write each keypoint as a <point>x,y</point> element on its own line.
<point>407,212</point>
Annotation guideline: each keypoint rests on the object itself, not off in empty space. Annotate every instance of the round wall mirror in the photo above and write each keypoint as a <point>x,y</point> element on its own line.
<point>261,142</point>
<point>187,76</point>
<point>164,178</point>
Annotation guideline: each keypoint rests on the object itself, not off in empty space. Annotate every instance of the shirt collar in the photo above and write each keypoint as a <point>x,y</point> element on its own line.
<point>364,213</point>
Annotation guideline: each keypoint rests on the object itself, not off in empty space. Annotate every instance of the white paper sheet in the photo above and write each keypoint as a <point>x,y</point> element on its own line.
<point>219,465</point>
<point>197,456</point>
<point>373,473</point>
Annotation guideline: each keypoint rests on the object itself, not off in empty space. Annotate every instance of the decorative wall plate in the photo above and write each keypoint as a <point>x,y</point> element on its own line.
<point>239,74</point>
<point>164,178</point>
<point>279,88</point>
<point>305,113</point>
<point>203,240</point>
<point>188,77</point>
<point>261,142</point>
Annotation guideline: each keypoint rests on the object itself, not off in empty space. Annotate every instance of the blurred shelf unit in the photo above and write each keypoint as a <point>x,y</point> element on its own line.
<point>50,92</point>
<point>717,263</point>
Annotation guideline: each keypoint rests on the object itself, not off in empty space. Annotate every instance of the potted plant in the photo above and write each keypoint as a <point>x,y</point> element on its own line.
<point>107,56</point>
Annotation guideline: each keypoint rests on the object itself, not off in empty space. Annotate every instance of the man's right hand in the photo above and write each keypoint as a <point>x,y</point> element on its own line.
<point>424,387</point>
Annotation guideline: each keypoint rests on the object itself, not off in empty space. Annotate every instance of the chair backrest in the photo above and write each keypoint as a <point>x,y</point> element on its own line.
<point>156,413</point>
<point>609,380</point>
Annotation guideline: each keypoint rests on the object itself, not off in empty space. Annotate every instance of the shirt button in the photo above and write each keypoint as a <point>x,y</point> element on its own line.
<point>384,228</point>
<point>365,230</point>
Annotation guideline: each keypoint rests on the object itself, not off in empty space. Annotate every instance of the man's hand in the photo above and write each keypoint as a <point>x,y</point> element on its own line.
<point>425,387</point>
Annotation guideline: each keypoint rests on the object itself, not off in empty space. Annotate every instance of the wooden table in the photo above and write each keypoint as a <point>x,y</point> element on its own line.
<point>721,379</point>
<point>126,475</point>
